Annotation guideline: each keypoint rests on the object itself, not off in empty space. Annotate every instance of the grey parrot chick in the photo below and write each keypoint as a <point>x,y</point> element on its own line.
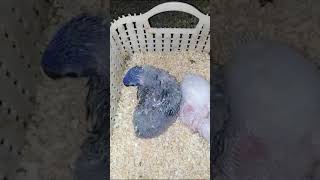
<point>80,49</point>
<point>159,96</point>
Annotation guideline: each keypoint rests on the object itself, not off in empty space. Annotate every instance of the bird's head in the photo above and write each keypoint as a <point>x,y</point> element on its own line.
<point>55,66</point>
<point>75,49</point>
<point>134,76</point>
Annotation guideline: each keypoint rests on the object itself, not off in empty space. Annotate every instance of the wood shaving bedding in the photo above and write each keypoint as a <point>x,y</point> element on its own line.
<point>176,154</point>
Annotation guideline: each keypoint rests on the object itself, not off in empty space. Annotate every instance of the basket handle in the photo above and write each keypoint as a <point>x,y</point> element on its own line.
<point>175,6</point>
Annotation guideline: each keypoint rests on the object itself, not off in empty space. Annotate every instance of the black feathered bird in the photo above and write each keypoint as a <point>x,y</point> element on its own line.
<point>80,48</point>
<point>159,96</point>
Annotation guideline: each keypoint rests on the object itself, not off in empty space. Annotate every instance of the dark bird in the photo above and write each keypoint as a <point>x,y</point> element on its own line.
<point>80,48</point>
<point>273,129</point>
<point>159,96</point>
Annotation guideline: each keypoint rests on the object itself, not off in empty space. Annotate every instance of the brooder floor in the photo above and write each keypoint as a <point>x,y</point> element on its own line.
<point>57,130</point>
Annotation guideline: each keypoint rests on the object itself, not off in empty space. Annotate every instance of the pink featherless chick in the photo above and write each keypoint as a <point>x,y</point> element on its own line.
<point>195,106</point>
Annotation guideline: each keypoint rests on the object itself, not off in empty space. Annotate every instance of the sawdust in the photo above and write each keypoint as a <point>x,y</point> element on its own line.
<point>176,154</point>
<point>57,129</point>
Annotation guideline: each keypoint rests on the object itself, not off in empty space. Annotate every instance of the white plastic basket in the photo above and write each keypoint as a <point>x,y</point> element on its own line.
<point>133,33</point>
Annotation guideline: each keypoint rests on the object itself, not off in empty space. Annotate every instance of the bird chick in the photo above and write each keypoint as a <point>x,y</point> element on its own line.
<point>159,98</point>
<point>195,106</point>
<point>80,49</point>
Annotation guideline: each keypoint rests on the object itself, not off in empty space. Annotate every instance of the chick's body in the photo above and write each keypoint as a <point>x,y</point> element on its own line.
<point>159,98</point>
<point>80,49</point>
<point>195,106</point>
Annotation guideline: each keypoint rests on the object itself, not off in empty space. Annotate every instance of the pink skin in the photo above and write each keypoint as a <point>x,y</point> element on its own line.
<point>197,119</point>
<point>188,110</point>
